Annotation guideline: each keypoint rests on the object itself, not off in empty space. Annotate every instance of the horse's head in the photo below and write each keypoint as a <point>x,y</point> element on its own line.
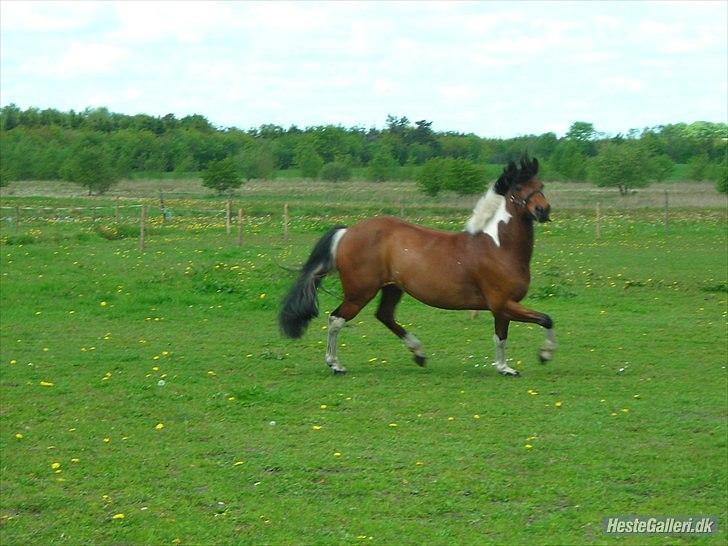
<point>519,185</point>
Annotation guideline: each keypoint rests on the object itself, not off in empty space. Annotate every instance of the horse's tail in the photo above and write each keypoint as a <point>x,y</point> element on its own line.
<point>301,304</point>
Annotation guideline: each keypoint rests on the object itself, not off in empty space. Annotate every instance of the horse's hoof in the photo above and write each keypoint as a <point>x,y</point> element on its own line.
<point>512,373</point>
<point>339,371</point>
<point>544,357</point>
<point>420,360</point>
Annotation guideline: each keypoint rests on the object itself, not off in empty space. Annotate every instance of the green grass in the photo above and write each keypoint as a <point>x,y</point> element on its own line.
<point>104,324</point>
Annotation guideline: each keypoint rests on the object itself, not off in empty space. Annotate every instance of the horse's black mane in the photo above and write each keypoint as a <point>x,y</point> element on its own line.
<point>516,174</point>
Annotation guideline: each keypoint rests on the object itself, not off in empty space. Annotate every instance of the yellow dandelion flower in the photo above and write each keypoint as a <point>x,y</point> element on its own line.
<point>263,296</point>
<point>451,418</point>
<point>337,454</point>
<point>211,373</point>
<point>613,413</point>
<point>74,460</point>
<point>46,384</point>
<point>18,436</point>
<point>316,427</point>
<point>237,463</point>
<point>625,410</point>
<point>107,440</point>
<point>636,397</point>
<point>393,425</point>
<point>324,406</point>
<point>528,446</point>
<point>557,404</point>
<point>104,304</point>
<point>476,416</point>
<point>159,426</point>
<point>118,516</point>
<point>13,361</point>
<point>155,368</point>
<point>55,466</point>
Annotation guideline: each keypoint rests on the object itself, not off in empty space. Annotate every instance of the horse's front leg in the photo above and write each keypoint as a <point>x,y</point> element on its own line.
<point>515,311</point>
<point>501,334</point>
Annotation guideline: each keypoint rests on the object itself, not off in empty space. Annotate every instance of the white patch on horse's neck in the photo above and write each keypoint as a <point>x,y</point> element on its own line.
<point>489,212</point>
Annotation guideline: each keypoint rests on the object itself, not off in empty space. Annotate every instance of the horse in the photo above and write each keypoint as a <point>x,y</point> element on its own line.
<point>484,267</point>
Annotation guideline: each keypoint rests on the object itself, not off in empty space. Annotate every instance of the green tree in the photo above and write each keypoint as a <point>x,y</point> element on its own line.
<point>222,176</point>
<point>569,161</point>
<point>584,136</point>
<point>624,166</point>
<point>458,175</point>
<point>432,178</point>
<point>335,171</point>
<point>256,161</point>
<point>582,131</point>
<point>464,177</point>
<point>698,167</point>
<point>383,166</point>
<point>90,165</point>
<point>661,167</point>
<point>308,161</point>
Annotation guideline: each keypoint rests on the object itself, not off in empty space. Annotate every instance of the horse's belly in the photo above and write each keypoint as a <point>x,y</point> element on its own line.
<point>443,287</point>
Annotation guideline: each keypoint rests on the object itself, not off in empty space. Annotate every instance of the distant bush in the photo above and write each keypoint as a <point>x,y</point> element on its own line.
<point>222,176</point>
<point>256,162</point>
<point>458,175</point>
<point>698,167</point>
<point>623,166</point>
<point>308,161</point>
<point>382,166</point>
<point>335,171</point>
<point>90,165</point>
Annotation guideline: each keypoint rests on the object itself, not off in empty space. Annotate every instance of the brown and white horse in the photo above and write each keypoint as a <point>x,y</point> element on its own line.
<point>487,266</point>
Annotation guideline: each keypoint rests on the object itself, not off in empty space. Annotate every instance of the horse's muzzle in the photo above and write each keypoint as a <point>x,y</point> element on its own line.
<point>542,214</point>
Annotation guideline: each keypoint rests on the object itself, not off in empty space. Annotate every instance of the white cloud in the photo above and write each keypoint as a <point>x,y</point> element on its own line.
<point>39,17</point>
<point>78,59</point>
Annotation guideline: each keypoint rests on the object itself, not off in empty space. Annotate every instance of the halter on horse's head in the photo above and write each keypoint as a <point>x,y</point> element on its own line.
<point>519,185</point>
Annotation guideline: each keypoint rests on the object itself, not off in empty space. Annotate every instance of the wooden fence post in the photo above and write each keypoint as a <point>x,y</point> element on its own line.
<point>667,211</point>
<point>142,220</point>
<point>285,221</point>
<point>162,208</point>
<point>227,217</point>
<point>599,222</point>
<point>240,227</point>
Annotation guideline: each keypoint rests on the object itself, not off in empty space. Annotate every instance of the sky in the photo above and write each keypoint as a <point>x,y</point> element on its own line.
<point>495,69</point>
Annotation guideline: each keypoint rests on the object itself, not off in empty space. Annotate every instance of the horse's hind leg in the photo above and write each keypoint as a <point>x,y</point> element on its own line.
<point>338,318</point>
<point>501,334</point>
<point>391,295</point>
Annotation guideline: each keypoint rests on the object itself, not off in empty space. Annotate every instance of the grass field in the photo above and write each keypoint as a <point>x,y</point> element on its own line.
<point>147,398</point>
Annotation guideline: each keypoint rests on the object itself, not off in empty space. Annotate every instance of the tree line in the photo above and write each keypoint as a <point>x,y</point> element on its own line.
<point>97,147</point>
